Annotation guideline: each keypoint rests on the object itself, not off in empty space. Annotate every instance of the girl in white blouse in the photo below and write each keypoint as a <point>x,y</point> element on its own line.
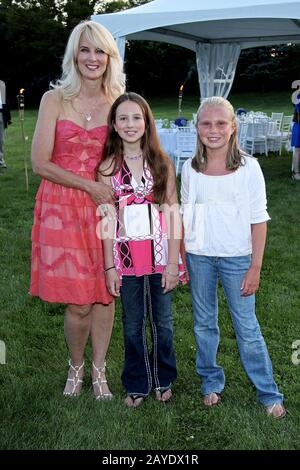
<point>224,211</point>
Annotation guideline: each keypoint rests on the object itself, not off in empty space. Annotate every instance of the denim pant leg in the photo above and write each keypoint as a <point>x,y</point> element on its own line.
<point>252,347</point>
<point>203,283</point>
<point>162,357</point>
<point>136,375</point>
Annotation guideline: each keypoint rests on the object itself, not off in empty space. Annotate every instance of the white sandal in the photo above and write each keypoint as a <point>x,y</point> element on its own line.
<point>99,381</point>
<point>77,382</point>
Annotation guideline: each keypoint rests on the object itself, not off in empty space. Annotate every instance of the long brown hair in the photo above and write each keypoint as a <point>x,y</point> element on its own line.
<point>234,158</point>
<point>158,161</point>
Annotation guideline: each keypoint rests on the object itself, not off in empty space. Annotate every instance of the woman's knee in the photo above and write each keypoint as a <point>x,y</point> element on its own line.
<point>80,311</point>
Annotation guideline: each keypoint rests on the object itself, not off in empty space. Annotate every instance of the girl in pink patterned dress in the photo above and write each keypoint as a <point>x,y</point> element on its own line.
<point>67,254</point>
<point>141,245</point>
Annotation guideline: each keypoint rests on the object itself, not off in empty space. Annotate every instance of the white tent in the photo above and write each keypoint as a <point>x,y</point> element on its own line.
<point>217,30</point>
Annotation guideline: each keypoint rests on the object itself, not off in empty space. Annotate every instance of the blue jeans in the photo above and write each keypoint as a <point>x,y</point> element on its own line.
<point>142,298</point>
<point>204,272</point>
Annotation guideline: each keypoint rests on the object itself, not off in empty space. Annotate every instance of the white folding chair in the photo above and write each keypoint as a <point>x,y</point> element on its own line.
<point>242,133</point>
<point>185,147</point>
<point>277,117</point>
<point>185,129</point>
<point>256,139</point>
<point>273,136</point>
<point>285,131</point>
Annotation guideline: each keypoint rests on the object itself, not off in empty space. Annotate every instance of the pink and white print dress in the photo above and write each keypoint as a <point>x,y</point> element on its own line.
<point>141,244</point>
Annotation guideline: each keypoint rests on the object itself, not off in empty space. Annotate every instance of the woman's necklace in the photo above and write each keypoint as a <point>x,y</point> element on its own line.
<point>86,114</point>
<point>134,157</point>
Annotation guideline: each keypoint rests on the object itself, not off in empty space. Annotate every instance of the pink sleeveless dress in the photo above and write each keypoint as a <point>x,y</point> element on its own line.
<point>67,256</point>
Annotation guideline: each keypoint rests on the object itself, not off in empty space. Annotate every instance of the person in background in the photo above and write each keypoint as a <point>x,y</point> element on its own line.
<point>296,142</point>
<point>67,254</point>
<point>142,246</point>
<point>224,214</point>
<point>5,120</point>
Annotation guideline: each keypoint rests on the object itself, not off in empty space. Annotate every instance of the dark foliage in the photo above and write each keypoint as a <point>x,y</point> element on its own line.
<point>33,36</point>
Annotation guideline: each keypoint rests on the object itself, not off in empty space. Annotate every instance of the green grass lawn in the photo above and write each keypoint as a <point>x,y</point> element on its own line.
<point>35,415</point>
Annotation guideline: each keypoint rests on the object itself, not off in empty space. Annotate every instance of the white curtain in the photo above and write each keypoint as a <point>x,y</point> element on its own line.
<point>121,45</point>
<point>216,64</point>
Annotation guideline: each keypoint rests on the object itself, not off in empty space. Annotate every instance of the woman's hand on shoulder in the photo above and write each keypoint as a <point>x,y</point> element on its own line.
<point>101,192</point>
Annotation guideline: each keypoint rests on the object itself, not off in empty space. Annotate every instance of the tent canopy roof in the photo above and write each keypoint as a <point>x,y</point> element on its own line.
<point>185,22</point>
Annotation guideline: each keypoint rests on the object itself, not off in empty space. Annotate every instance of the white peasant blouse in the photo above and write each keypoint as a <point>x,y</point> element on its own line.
<point>218,211</point>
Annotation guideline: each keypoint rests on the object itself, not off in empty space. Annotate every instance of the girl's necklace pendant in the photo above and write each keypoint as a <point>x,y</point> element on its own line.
<point>88,117</point>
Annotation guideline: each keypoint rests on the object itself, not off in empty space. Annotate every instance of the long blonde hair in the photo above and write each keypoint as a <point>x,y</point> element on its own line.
<point>113,82</point>
<point>234,158</point>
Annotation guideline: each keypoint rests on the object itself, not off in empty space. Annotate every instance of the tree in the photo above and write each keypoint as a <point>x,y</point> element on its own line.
<point>76,11</point>
<point>33,41</point>
<point>117,5</point>
<point>33,35</point>
<point>267,68</point>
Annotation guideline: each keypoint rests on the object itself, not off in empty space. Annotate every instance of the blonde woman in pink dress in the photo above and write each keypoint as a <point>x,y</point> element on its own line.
<point>67,256</point>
